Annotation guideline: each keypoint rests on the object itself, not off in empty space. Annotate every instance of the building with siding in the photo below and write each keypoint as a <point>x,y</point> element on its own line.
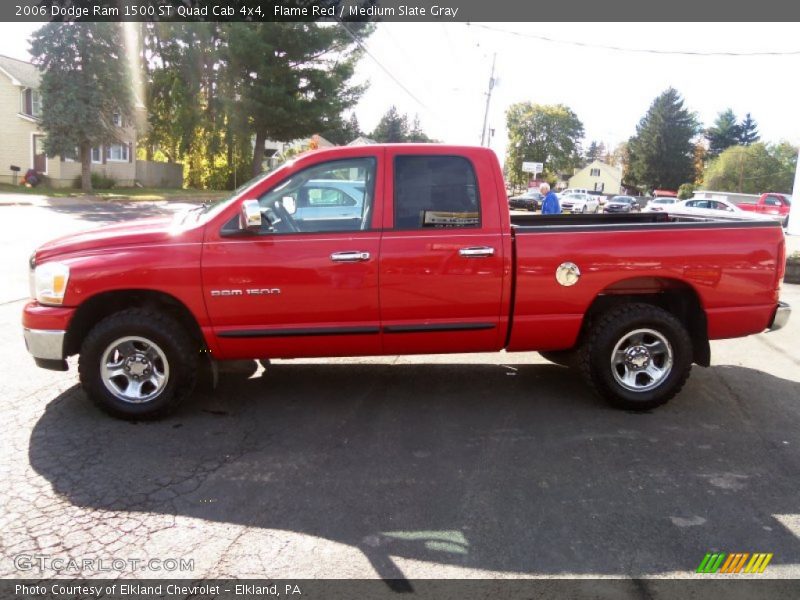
<point>598,177</point>
<point>23,141</point>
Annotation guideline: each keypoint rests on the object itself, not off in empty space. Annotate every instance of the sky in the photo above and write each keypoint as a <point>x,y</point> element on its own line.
<point>440,72</point>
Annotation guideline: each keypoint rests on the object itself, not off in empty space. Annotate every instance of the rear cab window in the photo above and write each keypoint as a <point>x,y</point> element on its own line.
<point>435,192</point>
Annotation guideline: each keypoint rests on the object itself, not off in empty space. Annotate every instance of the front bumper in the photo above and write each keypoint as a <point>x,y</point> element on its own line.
<point>47,347</point>
<point>781,316</point>
<point>45,329</point>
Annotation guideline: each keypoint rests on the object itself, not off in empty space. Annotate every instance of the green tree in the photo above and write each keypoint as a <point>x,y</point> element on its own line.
<point>748,131</point>
<point>85,80</point>
<point>392,128</point>
<point>752,169</point>
<point>596,151</point>
<point>342,130</point>
<point>415,134</point>
<point>661,153</point>
<point>289,80</point>
<point>549,134</point>
<point>724,133</point>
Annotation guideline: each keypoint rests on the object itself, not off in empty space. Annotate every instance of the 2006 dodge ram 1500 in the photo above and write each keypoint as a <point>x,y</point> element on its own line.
<point>396,249</point>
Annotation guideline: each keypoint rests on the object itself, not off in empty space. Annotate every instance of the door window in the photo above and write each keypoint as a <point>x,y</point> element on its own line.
<point>435,192</point>
<point>331,196</point>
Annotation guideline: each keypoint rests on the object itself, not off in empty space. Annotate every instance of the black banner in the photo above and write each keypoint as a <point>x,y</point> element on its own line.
<point>398,10</point>
<point>330,589</point>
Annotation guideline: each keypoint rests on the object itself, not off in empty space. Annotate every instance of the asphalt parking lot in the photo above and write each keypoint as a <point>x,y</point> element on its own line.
<point>493,465</point>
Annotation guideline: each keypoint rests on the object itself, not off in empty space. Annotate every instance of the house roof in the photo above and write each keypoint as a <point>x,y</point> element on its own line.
<point>362,140</point>
<point>20,72</point>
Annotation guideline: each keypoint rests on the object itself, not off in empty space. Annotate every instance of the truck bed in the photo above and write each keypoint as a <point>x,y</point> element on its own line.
<point>728,265</point>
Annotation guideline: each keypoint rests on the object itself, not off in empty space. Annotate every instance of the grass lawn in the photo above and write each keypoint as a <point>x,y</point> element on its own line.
<point>143,194</point>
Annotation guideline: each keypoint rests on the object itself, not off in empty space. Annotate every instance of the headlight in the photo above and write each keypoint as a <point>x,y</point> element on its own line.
<point>49,282</point>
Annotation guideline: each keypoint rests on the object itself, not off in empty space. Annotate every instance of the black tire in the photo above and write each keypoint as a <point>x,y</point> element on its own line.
<point>565,358</point>
<point>786,222</point>
<point>180,352</point>
<point>594,358</point>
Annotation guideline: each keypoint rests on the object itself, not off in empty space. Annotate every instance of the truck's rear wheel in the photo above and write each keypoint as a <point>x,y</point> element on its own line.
<point>637,356</point>
<point>138,364</point>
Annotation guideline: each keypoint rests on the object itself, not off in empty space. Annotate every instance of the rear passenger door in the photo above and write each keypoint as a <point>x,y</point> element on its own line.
<point>441,264</point>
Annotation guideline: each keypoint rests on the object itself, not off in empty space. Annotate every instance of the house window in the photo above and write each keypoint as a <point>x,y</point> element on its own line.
<point>595,173</point>
<point>117,152</point>
<point>32,103</point>
<point>97,154</point>
<point>116,119</point>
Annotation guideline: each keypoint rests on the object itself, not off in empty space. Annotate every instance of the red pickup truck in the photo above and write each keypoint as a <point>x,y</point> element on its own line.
<point>396,249</point>
<point>770,204</point>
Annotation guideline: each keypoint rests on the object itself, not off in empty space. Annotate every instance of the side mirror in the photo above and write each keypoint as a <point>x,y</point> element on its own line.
<point>250,216</point>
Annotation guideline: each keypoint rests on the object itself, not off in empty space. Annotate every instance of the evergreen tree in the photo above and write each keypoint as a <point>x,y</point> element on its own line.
<point>661,153</point>
<point>392,128</point>
<point>416,134</point>
<point>596,151</point>
<point>343,131</point>
<point>289,80</point>
<point>724,133</point>
<point>748,131</point>
<point>85,81</point>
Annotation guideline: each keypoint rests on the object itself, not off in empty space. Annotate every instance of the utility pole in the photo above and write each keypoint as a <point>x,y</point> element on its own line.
<point>488,100</point>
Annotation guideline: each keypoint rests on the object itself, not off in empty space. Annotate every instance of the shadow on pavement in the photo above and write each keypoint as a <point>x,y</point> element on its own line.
<point>506,468</point>
<point>104,212</point>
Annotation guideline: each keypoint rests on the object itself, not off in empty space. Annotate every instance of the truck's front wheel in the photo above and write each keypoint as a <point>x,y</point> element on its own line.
<point>637,356</point>
<point>138,364</point>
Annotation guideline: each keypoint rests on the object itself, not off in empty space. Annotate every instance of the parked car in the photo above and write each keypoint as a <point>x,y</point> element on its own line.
<point>326,199</point>
<point>771,204</point>
<point>711,208</point>
<point>622,204</point>
<point>530,200</point>
<point>579,203</point>
<point>434,264</point>
<point>568,191</point>
<point>660,204</point>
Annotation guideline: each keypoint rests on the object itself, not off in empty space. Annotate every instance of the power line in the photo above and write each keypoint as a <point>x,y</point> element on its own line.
<point>545,38</point>
<point>384,69</point>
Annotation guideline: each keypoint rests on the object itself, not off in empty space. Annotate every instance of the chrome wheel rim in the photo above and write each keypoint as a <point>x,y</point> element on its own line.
<point>134,369</point>
<point>641,360</point>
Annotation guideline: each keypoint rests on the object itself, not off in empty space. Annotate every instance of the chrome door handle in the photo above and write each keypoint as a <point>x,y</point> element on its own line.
<point>477,252</point>
<point>354,256</point>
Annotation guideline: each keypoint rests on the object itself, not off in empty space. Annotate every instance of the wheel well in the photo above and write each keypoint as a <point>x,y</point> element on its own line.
<point>98,307</point>
<point>674,296</point>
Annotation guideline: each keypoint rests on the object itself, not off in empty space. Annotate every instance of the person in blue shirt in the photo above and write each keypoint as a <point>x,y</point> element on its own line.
<point>550,204</point>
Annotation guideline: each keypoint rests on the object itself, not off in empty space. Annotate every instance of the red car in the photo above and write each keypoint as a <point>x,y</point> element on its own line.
<point>430,263</point>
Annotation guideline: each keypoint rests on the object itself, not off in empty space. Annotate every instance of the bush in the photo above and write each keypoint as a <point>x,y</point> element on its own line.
<point>99,182</point>
<point>686,191</point>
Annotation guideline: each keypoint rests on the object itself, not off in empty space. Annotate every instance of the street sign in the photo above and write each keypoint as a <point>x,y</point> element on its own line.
<point>532,167</point>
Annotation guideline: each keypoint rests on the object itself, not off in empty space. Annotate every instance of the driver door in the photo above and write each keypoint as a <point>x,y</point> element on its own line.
<point>307,283</point>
